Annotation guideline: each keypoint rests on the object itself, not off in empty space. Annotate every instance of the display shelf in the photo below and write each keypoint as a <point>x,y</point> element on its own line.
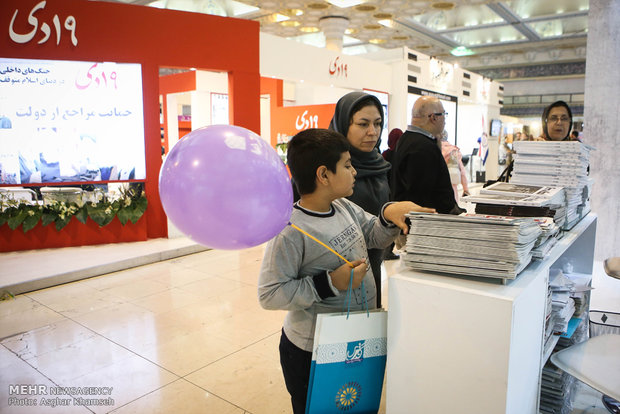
<point>466,343</point>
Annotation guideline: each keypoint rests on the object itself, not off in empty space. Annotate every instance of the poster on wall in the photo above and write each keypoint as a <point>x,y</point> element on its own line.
<point>219,109</point>
<point>449,103</point>
<point>70,121</point>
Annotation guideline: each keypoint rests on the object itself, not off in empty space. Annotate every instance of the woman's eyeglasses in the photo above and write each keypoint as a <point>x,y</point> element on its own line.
<point>555,119</point>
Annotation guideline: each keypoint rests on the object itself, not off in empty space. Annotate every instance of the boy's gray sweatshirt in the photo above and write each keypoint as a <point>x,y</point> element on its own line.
<point>293,273</point>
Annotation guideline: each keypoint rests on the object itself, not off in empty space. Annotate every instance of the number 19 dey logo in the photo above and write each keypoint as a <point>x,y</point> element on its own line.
<point>355,352</point>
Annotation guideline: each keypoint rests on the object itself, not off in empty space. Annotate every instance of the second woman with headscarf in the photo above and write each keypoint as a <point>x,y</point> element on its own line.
<point>359,117</point>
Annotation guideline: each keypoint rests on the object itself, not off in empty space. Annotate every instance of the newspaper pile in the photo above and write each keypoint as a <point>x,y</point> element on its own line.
<point>568,294</point>
<point>521,200</point>
<point>544,203</point>
<point>558,164</point>
<point>470,244</point>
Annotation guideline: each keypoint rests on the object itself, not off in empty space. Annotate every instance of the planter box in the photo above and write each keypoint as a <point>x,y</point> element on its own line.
<point>74,234</point>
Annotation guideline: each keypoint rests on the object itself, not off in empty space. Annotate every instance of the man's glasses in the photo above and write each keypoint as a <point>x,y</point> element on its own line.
<point>444,113</point>
<point>555,119</point>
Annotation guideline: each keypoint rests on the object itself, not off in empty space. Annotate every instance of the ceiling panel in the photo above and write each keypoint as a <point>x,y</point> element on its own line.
<point>561,27</point>
<point>461,17</point>
<point>527,9</point>
<point>489,28</point>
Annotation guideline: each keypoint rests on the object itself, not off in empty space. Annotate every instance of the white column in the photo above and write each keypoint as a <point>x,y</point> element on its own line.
<point>601,114</point>
<point>172,120</point>
<point>333,28</point>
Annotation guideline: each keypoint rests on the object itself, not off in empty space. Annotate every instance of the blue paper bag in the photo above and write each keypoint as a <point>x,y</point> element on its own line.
<point>348,363</point>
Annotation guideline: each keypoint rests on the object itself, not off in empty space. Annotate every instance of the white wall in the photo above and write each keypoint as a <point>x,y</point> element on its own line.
<point>544,86</point>
<point>290,60</point>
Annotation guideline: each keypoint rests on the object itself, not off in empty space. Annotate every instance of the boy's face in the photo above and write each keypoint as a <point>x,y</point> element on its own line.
<point>343,180</point>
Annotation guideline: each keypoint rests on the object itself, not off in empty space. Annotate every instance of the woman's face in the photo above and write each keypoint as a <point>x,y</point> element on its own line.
<point>558,123</point>
<point>365,128</point>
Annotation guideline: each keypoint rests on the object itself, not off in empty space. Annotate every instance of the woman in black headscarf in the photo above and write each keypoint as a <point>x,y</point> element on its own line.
<point>359,117</point>
<point>557,120</point>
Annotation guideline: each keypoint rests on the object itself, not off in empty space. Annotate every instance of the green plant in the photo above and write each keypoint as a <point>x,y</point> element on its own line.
<point>129,206</point>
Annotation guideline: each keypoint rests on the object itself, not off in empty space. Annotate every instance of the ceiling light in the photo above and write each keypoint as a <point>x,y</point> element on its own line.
<point>290,23</point>
<point>443,5</point>
<point>343,4</point>
<point>366,8</point>
<point>382,16</point>
<point>293,12</point>
<point>317,6</point>
<point>400,37</point>
<point>461,51</point>
<point>277,18</point>
<point>309,29</point>
<point>350,31</point>
<point>372,26</point>
<point>387,23</point>
<point>377,41</point>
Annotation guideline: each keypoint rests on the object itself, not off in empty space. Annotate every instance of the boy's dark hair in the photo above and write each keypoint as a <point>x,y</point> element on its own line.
<point>310,149</point>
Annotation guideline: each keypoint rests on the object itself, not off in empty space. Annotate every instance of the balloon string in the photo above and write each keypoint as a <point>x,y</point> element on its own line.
<point>321,243</point>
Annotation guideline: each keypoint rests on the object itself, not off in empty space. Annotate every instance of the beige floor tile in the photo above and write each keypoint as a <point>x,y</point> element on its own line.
<point>67,363</point>
<point>214,264</point>
<point>106,319</point>
<point>129,379</point>
<point>136,289</point>
<point>274,399</point>
<point>122,277</point>
<point>168,300</point>
<point>268,348</point>
<point>245,274</point>
<point>234,301</point>
<point>245,328</point>
<point>53,294</point>
<point>249,381</point>
<point>48,338</point>
<point>23,314</point>
<point>17,372</point>
<point>74,301</point>
<point>148,330</point>
<point>179,276</point>
<point>211,286</point>
<point>180,396</point>
<point>188,353</point>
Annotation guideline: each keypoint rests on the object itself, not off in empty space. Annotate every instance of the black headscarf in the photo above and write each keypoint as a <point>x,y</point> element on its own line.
<point>365,163</point>
<point>545,115</point>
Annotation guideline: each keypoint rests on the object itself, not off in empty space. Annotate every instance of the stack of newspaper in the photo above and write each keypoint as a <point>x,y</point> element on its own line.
<point>470,244</point>
<point>521,200</point>
<point>563,164</point>
<point>544,203</point>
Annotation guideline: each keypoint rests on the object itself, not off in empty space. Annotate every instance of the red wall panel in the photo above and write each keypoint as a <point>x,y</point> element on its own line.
<point>153,37</point>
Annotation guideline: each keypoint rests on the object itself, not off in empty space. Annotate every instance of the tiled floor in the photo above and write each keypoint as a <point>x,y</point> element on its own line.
<point>185,335</point>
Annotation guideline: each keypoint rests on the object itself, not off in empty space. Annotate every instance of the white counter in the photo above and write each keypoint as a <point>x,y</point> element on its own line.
<point>470,345</point>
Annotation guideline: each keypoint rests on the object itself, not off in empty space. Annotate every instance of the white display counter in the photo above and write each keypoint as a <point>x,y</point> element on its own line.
<point>471,345</point>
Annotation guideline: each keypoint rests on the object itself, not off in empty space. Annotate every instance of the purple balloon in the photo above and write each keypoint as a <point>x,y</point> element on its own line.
<point>225,187</point>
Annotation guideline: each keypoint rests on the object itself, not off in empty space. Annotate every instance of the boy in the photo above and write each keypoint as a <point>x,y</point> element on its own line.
<point>300,275</point>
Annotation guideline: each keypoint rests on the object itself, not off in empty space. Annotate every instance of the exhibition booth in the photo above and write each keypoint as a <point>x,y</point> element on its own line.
<point>82,101</point>
<point>90,106</point>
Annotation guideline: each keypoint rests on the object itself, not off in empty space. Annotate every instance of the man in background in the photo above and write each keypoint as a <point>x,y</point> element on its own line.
<point>419,172</point>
